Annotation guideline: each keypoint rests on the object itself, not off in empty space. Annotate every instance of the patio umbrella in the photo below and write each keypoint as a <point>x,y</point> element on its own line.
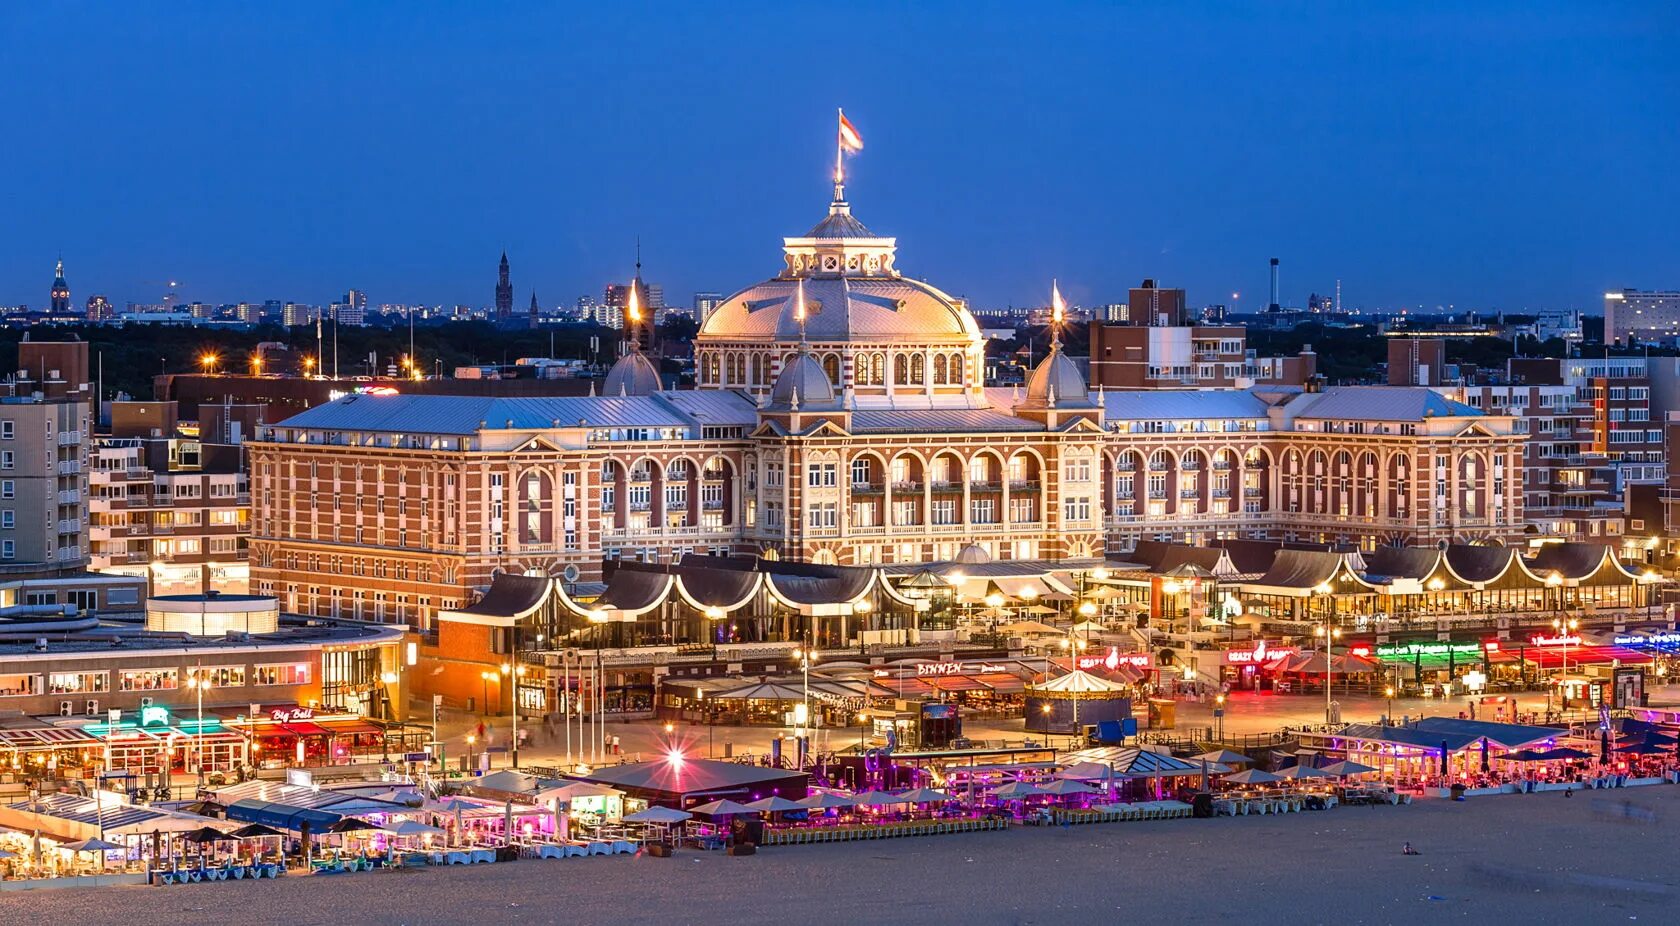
<point>1066,786</point>
<point>90,845</point>
<point>412,828</point>
<point>774,804</point>
<point>877,799</point>
<point>1345,768</point>
<point>1564,752</point>
<point>658,814</point>
<point>206,808</point>
<point>1523,755</point>
<point>824,800</point>
<point>1302,772</point>
<point>1641,749</point>
<point>254,831</point>
<point>1223,757</point>
<point>1251,776</point>
<point>723,808</point>
<point>1086,771</point>
<point>205,834</point>
<point>350,825</point>
<point>1017,791</point>
<point>925,796</point>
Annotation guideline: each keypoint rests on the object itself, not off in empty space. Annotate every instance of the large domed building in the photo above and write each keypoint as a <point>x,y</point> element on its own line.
<point>883,340</point>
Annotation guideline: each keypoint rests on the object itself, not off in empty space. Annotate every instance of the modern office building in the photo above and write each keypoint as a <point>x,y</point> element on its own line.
<point>1632,315</point>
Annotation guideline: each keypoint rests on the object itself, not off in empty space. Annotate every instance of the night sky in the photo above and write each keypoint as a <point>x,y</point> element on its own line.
<point>1516,156</point>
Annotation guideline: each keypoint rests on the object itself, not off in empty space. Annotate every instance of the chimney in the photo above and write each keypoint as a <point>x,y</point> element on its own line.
<point>1274,306</point>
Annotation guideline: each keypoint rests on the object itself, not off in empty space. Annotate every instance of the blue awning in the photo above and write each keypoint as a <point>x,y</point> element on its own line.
<point>281,816</point>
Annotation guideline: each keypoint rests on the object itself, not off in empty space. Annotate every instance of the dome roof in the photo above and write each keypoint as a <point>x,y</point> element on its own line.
<point>880,310</point>
<point>973,553</point>
<point>633,374</point>
<point>1057,383</point>
<point>804,378</point>
<point>840,224</point>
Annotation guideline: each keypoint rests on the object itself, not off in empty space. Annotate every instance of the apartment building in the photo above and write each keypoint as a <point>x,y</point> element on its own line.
<point>168,506</point>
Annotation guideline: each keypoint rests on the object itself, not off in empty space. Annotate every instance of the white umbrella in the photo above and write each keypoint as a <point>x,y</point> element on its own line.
<point>1303,772</point>
<point>723,808</point>
<point>1347,767</point>
<point>877,799</point>
<point>1065,786</point>
<point>412,828</point>
<point>1086,771</point>
<point>775,804</point>
<point>658,814</point>
<point>824,800</point>
<point>1251,776</point>
<point>1017,790</point>
<point>925,796</point>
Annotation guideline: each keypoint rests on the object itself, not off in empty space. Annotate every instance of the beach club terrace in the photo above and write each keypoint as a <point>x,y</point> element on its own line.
<point>1290,582</point>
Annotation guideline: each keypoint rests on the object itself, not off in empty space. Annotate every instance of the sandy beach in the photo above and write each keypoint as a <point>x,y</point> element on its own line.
<point>1534,858</point>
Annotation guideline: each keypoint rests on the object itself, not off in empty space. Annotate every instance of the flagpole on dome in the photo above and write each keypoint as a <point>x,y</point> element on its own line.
<point>1057,310</point>
<point>840,156</point>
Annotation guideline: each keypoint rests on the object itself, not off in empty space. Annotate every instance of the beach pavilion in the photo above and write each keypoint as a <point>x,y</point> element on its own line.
<point>1431,747</point>
<point>684,783</point>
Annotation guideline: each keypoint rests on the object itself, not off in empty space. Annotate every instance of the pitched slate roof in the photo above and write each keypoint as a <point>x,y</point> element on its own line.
<point>1379,403</point>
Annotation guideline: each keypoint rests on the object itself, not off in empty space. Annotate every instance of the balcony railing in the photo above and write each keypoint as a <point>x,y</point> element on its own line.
<point>867,488</point>
<point>1024,485</point>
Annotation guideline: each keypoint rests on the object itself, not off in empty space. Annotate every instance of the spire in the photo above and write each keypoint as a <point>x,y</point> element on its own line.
<point>1058,311</point>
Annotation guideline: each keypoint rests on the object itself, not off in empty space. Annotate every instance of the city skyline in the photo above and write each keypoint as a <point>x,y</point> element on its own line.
<point>1484,155</point>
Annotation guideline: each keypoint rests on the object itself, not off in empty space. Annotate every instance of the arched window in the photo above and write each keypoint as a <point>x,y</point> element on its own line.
<point>831,368</point>
<point>878,369</point>
<point>901,370</point>
<point>918,369</point>
<point>956,369</point>
<point>755,368</point>
<point>939,370</point>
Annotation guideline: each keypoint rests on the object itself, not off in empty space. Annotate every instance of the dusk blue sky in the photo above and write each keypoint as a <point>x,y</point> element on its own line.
<point>1507,156</point>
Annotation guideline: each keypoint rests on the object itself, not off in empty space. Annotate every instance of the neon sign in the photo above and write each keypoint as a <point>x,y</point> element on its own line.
<point>154,715</point>
<point>289,714</point>
<point>1655,639</point>
<point>1260,653</point>
<point>1114,660</point>
<point>1567,639</point>
<point>956,668</point>
<point>1434,648</point>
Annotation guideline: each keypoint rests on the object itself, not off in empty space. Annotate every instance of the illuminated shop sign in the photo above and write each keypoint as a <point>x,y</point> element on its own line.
<point>1434,648</point>
<point>1260,653</point>
<point>1114,660</point>
<point>1654,639</point>
<point>1567,639</point>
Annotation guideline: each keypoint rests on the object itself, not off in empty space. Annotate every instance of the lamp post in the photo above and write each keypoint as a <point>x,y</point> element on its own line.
<point>1388,692</point>
<point>1322,592</point>
<point>1566,629</point>
<point>1219,717</point>
<point>1170,589</point>
<point>198,683</point>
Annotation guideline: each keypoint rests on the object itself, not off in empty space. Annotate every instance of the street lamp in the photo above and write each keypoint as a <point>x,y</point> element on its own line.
<point>1388,693</point>
<point>208,361</point>
<point>1566,629</point>
<point>1329,633</point>
<point>198,683</point>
